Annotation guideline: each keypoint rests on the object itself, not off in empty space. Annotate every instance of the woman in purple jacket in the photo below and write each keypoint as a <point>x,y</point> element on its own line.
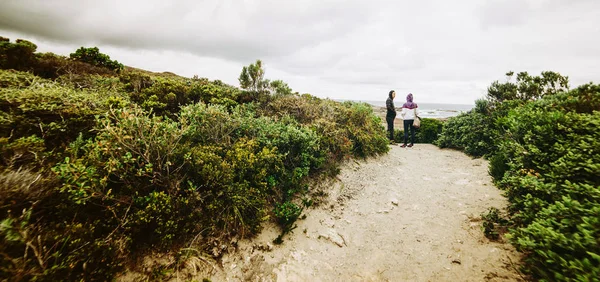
<point>409,113</point>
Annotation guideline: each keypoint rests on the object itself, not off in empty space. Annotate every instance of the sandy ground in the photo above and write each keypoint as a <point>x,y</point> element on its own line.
<point>411,215</point>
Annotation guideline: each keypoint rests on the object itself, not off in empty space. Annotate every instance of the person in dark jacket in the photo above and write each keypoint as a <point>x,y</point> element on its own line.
<point>391,114</point>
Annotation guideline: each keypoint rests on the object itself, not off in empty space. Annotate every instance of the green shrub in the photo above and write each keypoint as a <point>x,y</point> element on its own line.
<point>427,133</point>
<point>165,95</point>
<point>18,79</point>
<point>494,224</point>
<point>93,56</point>
<point>543,144</point>
<point>101,165</point>
<point>69,250</point>
<point>45,109</point>
<point>234,184</point>
<point>287,214</point>
<point>305,110</point>
<point>51,66</point>
<point>364,129</point>
<point>298,145</point>
<point>471,132</point>
<point>18,56</point>
<point>548,165</point>
<point>25,151</point>
<point>429,130</point>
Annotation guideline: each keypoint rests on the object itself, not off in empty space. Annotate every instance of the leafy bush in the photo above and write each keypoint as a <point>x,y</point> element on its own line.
<point>19,55</point>
<point>427,133</point>
<point>543,143</point>
<point>25,151</point>
<point>527,87</point>
<point>100,165</point>
<point>51,66</point>
<point>287,214</point>
<point>165,95</point>
<point>93,56</point>
<point>494,223</point>
<point>342,126</point>
<point>429,130</point>
<point>364,129</point>
<point>551,180</point>
<point>48,110</point>
<point>471,132</point>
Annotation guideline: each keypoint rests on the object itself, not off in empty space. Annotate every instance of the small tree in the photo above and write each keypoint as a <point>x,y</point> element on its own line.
<point>94,57</point>
<point>252,77</point>
<point>19,55</point>
<point>280,88</point>
<point>528,87</point>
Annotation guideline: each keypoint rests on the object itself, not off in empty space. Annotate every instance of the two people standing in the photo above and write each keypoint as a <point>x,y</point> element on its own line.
<point>409,114</point>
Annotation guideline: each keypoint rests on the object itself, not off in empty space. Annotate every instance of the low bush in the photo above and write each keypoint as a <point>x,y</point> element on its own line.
<point>101,165</point>
<point>471,132</point>
<point>18,56</point>
<point>428,132</point>
<point>551,180</point>
<point>364,129</point>
<point>542,141</point>
<point>93,56</point>
<point>166,95</point>
<point>494,223</point>
<point>48,110</point>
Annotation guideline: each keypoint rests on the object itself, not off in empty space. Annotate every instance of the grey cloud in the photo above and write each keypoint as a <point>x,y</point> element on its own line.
<point>227,29</point>
<point>446,51</point>
<point>504,13</point>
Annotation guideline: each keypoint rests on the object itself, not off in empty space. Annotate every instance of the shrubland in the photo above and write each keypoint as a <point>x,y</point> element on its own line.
<point>101,164</point>
<point>542,140</point>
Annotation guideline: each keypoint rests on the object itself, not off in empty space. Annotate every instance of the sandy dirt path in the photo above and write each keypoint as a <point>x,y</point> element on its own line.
<point>411,215</point>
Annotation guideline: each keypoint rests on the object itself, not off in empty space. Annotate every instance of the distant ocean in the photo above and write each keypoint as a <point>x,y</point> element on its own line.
<point>428,110</point>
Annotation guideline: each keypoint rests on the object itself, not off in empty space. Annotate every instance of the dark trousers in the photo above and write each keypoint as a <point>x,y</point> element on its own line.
<point>390,123</point>
<point>408,124</point>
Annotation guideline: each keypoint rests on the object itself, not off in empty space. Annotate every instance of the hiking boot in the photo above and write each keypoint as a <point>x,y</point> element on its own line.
<point>403,146</point>
<point>410,145</point>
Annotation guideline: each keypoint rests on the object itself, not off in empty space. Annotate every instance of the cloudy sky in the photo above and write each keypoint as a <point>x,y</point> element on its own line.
<point>441,51</point>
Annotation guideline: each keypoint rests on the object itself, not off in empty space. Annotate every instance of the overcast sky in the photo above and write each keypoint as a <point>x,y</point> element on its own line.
<point>441,51</point>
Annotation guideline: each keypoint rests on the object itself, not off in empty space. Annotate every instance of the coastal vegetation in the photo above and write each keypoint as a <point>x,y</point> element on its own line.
<point>103,164</point>
<point>543,142</point>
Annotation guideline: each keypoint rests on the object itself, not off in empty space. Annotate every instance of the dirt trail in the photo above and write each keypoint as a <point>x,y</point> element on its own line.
<point>411,215</point>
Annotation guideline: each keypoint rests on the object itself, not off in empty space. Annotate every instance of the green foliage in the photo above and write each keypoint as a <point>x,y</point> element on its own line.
<point>286,215</point>
<point>18,55</point>
<point>552,183</point>
<point>527,87</point>
<point>18,79</point>
<point>21,56</point>
<point>51,66</point>
<point>163,95</point>
<point>482,106</point>
<point>252,77</point>
<point>470,132</point>
<point>99,167</point>
<point>280,88</point>
<point>494,224</point>
<point>48,110</point>
<point>93,56</point>
<point>543,143</point>
<point>364,129</point>
<point>22,152</point>
<point>427,133</point>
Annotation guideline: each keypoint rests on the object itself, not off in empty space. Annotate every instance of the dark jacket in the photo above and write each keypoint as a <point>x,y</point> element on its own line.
<point>391,110</point>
